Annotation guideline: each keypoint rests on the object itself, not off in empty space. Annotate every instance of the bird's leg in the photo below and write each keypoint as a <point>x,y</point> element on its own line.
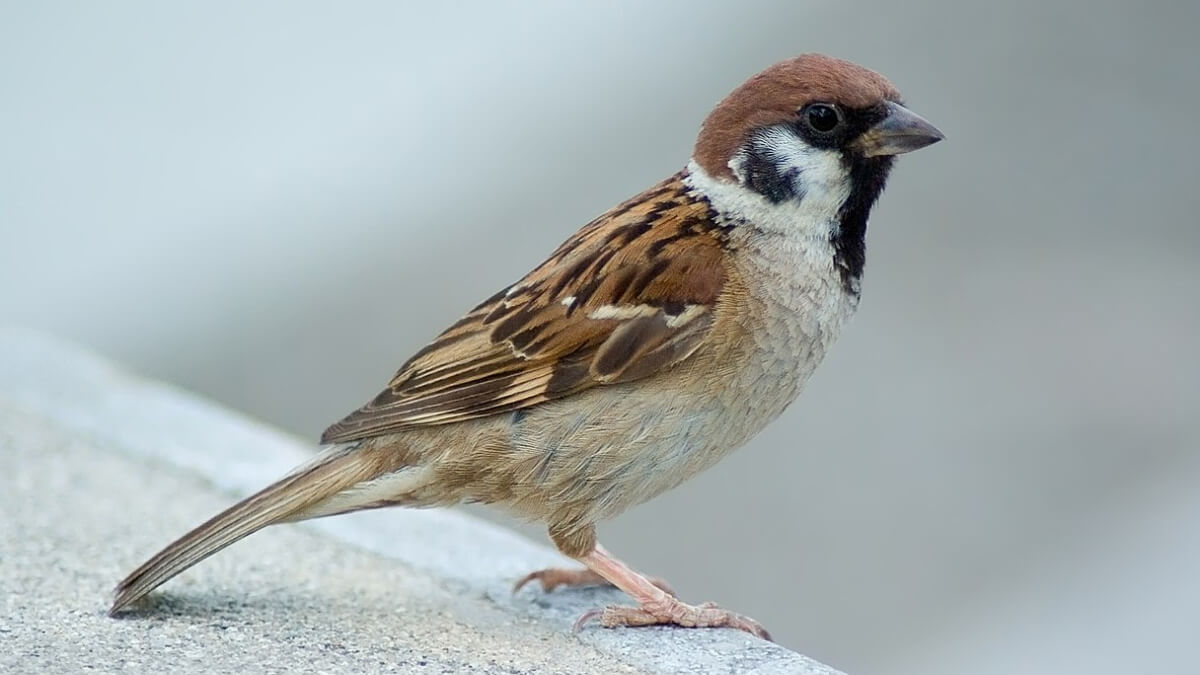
<point>575,541</point>
<point>655,606</point>
<point>553,577</point>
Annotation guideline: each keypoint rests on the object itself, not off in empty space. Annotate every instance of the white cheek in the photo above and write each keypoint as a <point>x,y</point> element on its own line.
<point>825,179</point>
<point>813,217</point>
<point>819,173</point>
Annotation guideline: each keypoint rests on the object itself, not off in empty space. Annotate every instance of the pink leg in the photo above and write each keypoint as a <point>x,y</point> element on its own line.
<point>554,577</point>
<point>655,606</point>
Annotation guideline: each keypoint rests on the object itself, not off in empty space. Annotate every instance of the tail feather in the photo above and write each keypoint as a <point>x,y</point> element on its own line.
<point>291,498</point>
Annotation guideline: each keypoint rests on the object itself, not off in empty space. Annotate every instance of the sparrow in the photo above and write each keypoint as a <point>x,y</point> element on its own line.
<point>659,337</point>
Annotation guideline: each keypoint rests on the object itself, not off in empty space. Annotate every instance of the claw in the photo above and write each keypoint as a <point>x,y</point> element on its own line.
<point>586,617</point>
<point>524,580</point>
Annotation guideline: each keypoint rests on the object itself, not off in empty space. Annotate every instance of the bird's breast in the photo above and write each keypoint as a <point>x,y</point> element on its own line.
<point>597,453</point>
<point>794,307</point>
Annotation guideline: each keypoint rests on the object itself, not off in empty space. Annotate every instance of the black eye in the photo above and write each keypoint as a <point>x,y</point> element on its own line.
<point>822,117</point>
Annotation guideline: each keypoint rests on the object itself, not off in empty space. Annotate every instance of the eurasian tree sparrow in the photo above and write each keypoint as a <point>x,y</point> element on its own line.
<point>661,336</point>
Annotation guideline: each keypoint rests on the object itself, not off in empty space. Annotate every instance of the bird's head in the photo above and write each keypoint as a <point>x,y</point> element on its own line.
<point>810,128</point>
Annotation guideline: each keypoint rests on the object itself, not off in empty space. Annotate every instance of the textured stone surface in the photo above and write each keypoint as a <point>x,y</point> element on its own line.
<point>98,469</point>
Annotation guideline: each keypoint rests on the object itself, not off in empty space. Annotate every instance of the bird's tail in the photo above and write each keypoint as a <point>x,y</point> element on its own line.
<point>299,495</point>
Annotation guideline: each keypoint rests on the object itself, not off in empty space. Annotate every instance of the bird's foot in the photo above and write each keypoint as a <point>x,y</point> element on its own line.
<point>553,577</point>
<point>670,611</point>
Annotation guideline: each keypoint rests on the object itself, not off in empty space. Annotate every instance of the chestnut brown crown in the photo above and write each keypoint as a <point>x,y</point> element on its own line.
<point>776,94</point>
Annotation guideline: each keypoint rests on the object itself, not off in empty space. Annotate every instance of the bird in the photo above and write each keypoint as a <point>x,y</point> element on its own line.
<point>661,336</point>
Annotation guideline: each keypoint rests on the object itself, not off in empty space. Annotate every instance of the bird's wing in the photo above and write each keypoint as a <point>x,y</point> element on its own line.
<point>630,294</point>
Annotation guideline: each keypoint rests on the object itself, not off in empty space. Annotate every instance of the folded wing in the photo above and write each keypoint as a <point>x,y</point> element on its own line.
<point>631,294</point>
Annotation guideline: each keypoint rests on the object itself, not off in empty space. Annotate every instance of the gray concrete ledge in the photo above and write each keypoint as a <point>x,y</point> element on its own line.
<point>98,469</point>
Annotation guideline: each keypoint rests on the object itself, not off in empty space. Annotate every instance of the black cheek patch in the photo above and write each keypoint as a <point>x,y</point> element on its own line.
<point>764,177</point>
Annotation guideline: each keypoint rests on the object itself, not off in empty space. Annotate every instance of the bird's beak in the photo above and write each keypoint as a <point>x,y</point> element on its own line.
<point>901,131</point>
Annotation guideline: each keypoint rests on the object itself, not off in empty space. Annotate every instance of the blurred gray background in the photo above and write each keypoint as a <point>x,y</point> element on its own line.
<point>996,470</point>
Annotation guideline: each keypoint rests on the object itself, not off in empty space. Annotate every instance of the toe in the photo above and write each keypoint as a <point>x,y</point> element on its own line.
<point>751,626</point>
<point>552,578</point>
<point>524,580</point>
<point>673,612</point>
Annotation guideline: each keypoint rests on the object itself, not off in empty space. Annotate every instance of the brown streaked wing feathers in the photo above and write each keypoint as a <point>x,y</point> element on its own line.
<point>644,278</point>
